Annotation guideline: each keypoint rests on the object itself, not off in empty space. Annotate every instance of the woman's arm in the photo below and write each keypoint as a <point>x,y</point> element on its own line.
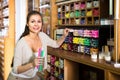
<point>54,43</point>
<point>23,68</point>
<point>37,61</point>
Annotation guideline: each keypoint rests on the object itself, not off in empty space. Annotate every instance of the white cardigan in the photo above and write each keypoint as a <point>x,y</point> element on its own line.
<point>24,54</point>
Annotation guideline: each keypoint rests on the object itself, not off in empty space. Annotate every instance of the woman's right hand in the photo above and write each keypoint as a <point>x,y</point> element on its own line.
<point>38,61</point>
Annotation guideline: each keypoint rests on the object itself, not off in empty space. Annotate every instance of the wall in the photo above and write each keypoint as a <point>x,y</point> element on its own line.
<point>20,16</point>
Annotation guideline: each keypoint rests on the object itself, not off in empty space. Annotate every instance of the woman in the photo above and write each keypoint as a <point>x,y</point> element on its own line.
<point>32,39</point>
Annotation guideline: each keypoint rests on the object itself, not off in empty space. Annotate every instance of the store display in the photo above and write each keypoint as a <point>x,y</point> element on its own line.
<point>88,12</point>
<point>81,40</point>
<point>86,18</point>
<point>56,68</point>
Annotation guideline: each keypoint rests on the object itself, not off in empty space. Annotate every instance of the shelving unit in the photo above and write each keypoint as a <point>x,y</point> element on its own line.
<point>85,40</point>
<point>55,67</point>
<point>85,17</point>
<point>82,40</point>
<point>61,69</point>
<point>75,63</point>
<point>33,5</point>
<point>84,12</point>
<point>2,58</point>
<point>7,33</point>
<point>62,9</point>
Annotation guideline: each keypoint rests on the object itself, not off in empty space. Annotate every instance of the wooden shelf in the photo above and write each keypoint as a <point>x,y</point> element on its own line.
<point>75,25</point>
<point>7,40</point>
<point>84,59</point>
<point>82,12</point>
<point>59,2</point>
<point>56,67</point>
<point>71,58</point>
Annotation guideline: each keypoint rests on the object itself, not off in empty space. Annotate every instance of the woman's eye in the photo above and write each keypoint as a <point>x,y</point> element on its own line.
<point>36,21</point>
<point>39,21</point>
<point>32,21</point>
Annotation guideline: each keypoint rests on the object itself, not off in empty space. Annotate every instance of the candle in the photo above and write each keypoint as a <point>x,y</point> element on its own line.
<point>111,7</point>
<point>117,9</point>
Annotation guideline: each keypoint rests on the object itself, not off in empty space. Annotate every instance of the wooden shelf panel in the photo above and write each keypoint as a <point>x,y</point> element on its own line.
<point>88,13</point>
<point>59,2</point>
<point>7,16</point>
<point>84,59</point>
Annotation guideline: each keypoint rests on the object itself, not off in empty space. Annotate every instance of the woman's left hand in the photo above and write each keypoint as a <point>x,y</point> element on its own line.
<point>66,31</point>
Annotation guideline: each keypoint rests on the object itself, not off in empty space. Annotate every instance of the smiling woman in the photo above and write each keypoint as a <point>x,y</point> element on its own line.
<point>26,63</point>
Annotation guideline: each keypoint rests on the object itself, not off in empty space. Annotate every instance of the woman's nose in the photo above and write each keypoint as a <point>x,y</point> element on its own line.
<point>36,23</point>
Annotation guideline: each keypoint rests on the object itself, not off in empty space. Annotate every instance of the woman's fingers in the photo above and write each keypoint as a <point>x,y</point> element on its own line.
<point>40,60</point>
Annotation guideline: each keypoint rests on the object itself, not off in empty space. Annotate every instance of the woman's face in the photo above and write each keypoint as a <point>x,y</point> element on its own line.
<point>35,23</point>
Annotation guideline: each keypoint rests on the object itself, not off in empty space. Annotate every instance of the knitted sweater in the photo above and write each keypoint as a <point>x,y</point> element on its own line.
<point>24,54</point>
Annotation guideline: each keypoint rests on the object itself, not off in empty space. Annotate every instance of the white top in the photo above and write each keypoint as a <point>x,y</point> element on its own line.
<point>24,54</point>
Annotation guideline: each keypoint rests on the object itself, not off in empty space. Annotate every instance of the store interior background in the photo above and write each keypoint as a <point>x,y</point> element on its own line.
<point>21,10</point>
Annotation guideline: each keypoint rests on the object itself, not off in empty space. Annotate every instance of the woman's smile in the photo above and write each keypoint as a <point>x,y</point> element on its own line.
<point>36,28</point>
